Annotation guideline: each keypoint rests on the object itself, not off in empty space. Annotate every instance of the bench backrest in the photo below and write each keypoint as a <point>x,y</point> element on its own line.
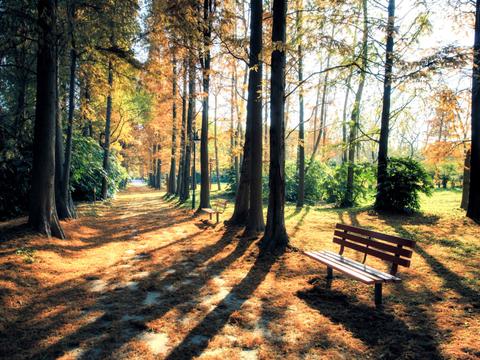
<point>220,205</point>
<point>393,249</point>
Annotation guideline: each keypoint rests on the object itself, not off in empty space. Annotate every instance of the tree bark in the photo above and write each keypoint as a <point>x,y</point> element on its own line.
<point>344,118</point>
<point>255,222</point>
<point>301,132</point>
<point>181,165</point>
<point>42,213</point>
<point>106,145</point>
<point>466,181</point>
<point>380,201</point>
<point>352,141</point>
<point>188,146</point>
<point>217,161</point>
<point>276,238</point>
<point>204,161</point>
<point>473,211</point>
<point>173,158</point>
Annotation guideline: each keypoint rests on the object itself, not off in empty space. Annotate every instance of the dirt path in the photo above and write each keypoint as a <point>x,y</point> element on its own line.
<point>141,279</point>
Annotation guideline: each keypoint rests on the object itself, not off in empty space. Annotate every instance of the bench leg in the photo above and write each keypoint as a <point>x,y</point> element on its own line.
<point>378,294</point>
<point>218,217</point>
<point>329,277</point>
<point>329,273</point>
<point>210,216</point>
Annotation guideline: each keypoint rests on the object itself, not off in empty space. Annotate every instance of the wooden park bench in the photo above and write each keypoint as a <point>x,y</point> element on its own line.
<point>218,208</point>
<point>393,249</point>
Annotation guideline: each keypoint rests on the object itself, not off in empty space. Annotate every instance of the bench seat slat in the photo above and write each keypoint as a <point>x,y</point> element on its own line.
<point>390,238</point>
<point>356,274</point>
<point>373,252</point>
<point>385,276</point>
<point>208,210</point>
<point>376,244</point>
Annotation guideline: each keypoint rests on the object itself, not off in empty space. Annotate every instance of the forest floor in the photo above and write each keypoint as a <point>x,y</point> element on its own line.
<point>140,278</point>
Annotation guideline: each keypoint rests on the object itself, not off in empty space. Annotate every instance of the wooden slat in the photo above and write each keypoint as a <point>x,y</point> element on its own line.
<point>390,238</point>
<point>208,210</point>
<point>373,252</point>
<point>366,268</point>
<point>363,277</point>
<point>376,244</point>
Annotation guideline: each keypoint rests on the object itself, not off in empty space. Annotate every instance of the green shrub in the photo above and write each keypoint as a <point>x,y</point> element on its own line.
<point>335,183</point>
<point>87,169</point>
<point>406,179</point>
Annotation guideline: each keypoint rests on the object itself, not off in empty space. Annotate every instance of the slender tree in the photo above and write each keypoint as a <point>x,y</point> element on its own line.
<point>255,222</point>
<point>42,213</point>
<point>301,126</point>
<point>381,200</point>
<point>106,143</point>
<point>204,161</point>
<point>355,117</point>
<point>276,238</point>
<point>473,211</point>
<point>189,138</point>
<point>173,157</point>
<point>183,131</point>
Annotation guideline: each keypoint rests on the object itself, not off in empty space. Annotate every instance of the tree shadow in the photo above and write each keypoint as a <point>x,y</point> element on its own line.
<point>213,323</point>
<point>388,336</point>
<point>108,333</point>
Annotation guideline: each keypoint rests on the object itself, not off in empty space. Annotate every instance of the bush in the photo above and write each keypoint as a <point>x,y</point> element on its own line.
<point>406,179</point>
<point>335,183</point>
<point>87,170</point>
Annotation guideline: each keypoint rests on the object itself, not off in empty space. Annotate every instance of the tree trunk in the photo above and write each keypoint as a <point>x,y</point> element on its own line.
<point>380,201</point>
<point>173,158</point>
<point>473,211</point>
<point>43,213</point>
<point>204,161</point>
<point>276,238</point>
<point>466,181</point>
<point>106,145</point>
<point>60,200</point>
<point>255,222</point>
<point>181,165</point>
<point>352,141</point>
<point>217,161</point>
<point>188,146</point>
<point>344,118</point>
<point>301,132</point>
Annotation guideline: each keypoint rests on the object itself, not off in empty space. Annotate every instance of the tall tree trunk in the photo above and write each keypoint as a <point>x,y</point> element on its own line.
<point>466,181</point>
<point>181,165</point>
<point>173,158</point>
<point>352,141</point>
<point>321,128</point>
<point>217,161</point>
<point>158,170</point>
<point>344,118</point>
<point>301,132</point>
<point>265,124</point>
<point>381,200</point>
<point>60,200</point>
<point>106,145</point>
<point>204,161</point>
<point>188,146</point>
<point>43,213</point>
<point>276,238</point>
<point>255,222</point>
<point>473,211</point>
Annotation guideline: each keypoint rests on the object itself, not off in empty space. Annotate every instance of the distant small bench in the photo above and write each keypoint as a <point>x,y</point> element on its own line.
<point>217,209</point>
<point>393,249</point>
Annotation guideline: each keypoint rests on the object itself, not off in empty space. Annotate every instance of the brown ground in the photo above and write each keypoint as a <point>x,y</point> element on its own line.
<point>142,279</point>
